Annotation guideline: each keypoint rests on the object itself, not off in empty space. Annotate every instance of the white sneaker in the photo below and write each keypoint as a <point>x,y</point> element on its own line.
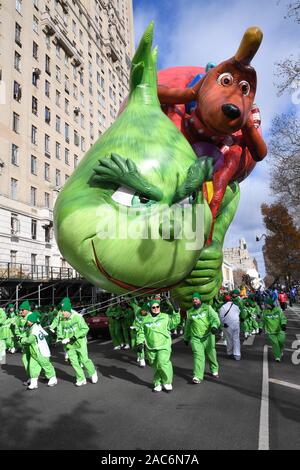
<point>278,359</point>
<point>138,359</point>
<point>12,350</point>
<point>142,363</point>
<point>168,387</point>
<point>196,380</point>
<point>52,382</point>
<point>116,348</point>
<point>66,357</point>
<point>157,388</point>
<point>215,375</point>
<point>26,383</point>
<point>80,383</point>
<point>33,384</point>
<point>94,378</point>
<point>126,346</point>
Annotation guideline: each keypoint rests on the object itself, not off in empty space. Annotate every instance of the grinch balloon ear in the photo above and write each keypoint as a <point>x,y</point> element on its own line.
<point>143,75</point>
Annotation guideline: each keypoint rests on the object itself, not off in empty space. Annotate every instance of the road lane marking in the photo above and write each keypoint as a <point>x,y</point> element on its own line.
<point>249,341</point>
<point>264,436</point>
<point>284,384</point>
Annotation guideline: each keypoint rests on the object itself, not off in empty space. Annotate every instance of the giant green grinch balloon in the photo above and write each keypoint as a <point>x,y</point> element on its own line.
<point>121,219</point>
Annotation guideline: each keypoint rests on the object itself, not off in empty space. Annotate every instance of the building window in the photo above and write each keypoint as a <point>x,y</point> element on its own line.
<point>34,106</point>
<point>67,106</point>
<point>57,150</point>
<point>13,188</point>
<point>18,30</point>
<point>81,36</point>
<point>75,91</point>
<point>47,145</point>
<point>58,51</point>
<point>14,224</point>
<point>57,178</point>
<point>57,98</point>
<point>81,98</point>
<point>82,120</point>
<point>17,91</point>
<point>83,144</point>
<point>47,65</point>
<point>33,165</point>
<point>35,78</point>
<point>57,123</point>
<point>35,49</point>
<point>19,6</point>
<point>33,196</point>
<point>33,229</point>
<point>76,139</point>
<point>47,236</point>
<point>81,78</point>
<point>66,60</point>
<point>35,24</point>
<point>67,85</point>
<point>76,159</point>
<point>91,130</point>
<point>14,154</point>
<point>33,134</point>
<point>74,28</point>
<point>33,261</point>
<point>16,123</point>
<point>47,200</point>
<point>36,4</point>
<point>17,62</point>
<point>67,132</point>
<point>13,257</point>
<point>58,74</point>
<point>67,156</point>
<point>47,264</point>
<point>47,115</point>
<point>47,88</point>
<point>47,172</point>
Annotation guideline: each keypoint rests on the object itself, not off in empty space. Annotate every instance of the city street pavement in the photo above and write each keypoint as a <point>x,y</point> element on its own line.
<point>254,405</point>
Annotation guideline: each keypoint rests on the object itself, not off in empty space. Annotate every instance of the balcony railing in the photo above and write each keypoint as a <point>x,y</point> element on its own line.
<point>16,271</point>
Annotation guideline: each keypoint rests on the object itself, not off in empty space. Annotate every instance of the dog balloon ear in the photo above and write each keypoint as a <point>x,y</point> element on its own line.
<point>249,45</point>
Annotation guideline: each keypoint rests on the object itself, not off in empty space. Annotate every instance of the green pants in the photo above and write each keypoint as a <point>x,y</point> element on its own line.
<point>160,360</point>
<point>34,364</point>
<point>125,330</point>
<point>140,355</point>
<point>202,348</point>
<point>115,329</point>
<point>277,341</point>
<point>78,357</point>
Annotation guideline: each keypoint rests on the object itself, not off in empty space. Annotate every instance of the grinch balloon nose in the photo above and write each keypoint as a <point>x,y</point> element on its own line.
<point>116,219</point>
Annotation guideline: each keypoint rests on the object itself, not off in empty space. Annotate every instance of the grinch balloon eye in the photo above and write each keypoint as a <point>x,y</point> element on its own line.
<point>123,196</point>
<point>139,200</point>
<point>244,87</point>
<point>225,79</point>
<point>189,200</point>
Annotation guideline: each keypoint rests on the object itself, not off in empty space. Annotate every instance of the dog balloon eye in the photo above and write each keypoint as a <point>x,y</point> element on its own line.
<point>225,79</point>
<point>244,87</point>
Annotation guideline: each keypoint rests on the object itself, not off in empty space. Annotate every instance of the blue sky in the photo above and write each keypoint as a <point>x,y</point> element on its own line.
<point>194,32</point>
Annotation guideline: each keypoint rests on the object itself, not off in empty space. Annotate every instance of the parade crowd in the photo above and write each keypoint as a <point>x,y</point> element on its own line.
<point>146,325</point>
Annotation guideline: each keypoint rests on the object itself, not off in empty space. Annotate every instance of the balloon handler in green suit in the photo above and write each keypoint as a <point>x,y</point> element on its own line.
<point>73,334</point>
<point>140,313</point>
<point>36,353</point>
<point>201,326</point>
<point>155,333</point>
<point>273,322</point>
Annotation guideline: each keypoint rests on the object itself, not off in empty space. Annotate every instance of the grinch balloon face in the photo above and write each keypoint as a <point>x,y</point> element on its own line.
<point>120,219</point>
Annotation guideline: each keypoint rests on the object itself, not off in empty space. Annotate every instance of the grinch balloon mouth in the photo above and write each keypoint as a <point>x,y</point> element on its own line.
<point>142,162</point>
<point>124,285</point>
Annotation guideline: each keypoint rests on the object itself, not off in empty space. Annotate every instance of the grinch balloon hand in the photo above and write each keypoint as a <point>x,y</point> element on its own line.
<point>120,219</point>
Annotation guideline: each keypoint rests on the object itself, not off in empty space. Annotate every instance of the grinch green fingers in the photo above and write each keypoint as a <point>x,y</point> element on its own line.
<point>116,170</point>
<point>198,173</point>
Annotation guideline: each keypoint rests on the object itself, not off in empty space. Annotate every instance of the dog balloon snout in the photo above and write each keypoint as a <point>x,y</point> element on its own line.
<point>231,111</point>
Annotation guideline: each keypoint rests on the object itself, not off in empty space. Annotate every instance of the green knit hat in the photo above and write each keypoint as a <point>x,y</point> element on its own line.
<point>33,317</point>
<point>145,307</point>
<point>66,304</point>
<point>236,292</point>
<point>10,306</point>
<point>196,295</point>
<point>25,305</point>
<point>269,301</point>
